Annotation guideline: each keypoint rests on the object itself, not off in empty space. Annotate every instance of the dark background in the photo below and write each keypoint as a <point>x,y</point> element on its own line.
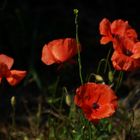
<point>26,25</point>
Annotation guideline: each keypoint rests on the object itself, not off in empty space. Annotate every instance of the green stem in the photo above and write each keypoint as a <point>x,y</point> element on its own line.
<point>120,77</point>
<point>38,115</point>
<point>99,65</point>
<point>107,60</point>
<point>78,45</point>
<point>13,118</point>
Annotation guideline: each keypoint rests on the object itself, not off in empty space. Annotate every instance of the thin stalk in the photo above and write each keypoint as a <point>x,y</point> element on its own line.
<point>13,118</point>
<point>38,115</point>
<point>107,58</point>
<point>99,65</point>
<point>78,45</point>
<point>120,77</point>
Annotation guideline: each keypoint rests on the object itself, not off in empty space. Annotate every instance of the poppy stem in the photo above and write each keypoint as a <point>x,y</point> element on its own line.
<point>99,64</point>
<point>107,60</point>
<point>120,77</point>
<point>78,44</point>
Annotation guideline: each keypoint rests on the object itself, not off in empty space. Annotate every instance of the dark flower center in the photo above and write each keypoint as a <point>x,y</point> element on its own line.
<point>95,106</point>
<point>128,53</point>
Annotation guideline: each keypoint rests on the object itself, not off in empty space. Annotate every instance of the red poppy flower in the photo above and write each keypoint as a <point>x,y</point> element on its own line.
<point>96,100</point>
<point>58,51</point>
<point>116,29</point>
<point>13,76</point>
<point>127,55</point>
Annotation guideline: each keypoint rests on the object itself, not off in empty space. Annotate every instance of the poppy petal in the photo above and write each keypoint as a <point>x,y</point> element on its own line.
<point>107,95</point>
<point>104,111</point>
<point>118,27</point>
<point>85,92</point>
<point>59,50</point>
<point>4,71</point>
<point>63,49</point>
<point>104,27</point>
<point>105,39</point>
<point>122,62</point>
<point>136,51</point>
<point>47,56</point>
<point>15,77</point>
<point>6,60</point>
<point>131,34</point>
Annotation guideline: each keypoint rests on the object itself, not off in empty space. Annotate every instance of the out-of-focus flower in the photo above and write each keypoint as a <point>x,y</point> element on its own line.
<point>58,51</point>
<point>12,76</point>
<point>96,100</point>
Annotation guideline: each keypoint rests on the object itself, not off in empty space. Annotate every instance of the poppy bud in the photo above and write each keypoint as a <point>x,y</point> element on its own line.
<point>110,76</point>
<point>68,100</point>
<point>13,101</point>
<point>99,78</point>
<point>75,11</point>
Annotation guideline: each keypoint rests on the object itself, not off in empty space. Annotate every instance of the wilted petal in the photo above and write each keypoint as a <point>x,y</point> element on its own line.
<point>0,79</point>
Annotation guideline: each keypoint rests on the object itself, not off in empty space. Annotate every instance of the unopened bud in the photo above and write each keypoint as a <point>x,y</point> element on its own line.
<point>75,11</point>
<point>110,76</point>
<point>99,78</point>
<point>68,100</point>
<point>13,101</point>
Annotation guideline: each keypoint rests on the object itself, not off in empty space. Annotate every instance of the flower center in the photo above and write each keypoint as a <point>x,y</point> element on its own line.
<point>128,53</point>
<point>95,106</point>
